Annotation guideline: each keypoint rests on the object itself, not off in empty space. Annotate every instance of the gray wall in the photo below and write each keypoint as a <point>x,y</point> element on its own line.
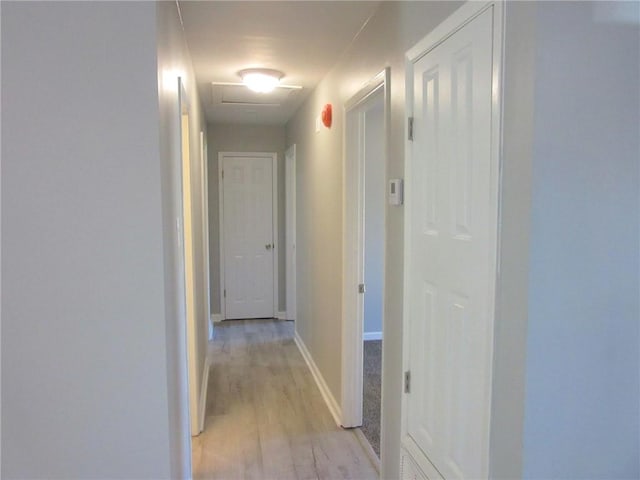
<point>375,198</point>
<point>173,60</point>
<point>394,28</point>
<point>243,138</point>
<point>507,403</point>
<point>93,347</point>
<point>84,367</point>
<point>570,177</point>
<point>582,418</point>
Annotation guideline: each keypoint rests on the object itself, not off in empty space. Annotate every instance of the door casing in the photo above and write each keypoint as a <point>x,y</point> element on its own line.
<point>186,236</point>
<point>353,247</point>
<point>205,229</point>
<point>290,233</point>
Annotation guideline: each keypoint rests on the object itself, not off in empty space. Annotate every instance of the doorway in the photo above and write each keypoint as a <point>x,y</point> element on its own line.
<point>196,414</point>
<point>363,308</point>
<point>248,226</point>
<point>374,230</point>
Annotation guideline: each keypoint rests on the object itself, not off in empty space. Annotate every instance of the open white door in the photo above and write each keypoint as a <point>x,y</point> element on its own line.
<point>451,247</point>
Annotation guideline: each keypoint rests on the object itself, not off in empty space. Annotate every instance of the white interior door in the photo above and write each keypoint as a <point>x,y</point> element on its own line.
<point>451,252</point>
<point>248,235</point>
<point>290,207</point>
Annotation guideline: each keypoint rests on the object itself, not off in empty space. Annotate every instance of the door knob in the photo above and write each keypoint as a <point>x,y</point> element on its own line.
<point>268,246</point>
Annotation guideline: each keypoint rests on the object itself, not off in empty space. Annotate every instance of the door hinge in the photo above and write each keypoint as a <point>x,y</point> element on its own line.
<point>362,288</point>
<point>407,381</point>
<point>410,127</point>
<point>223,174</point>
<point>225,293</point>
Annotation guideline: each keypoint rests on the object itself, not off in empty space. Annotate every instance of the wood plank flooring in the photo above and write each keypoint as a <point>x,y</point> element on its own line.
<point>265,417</point>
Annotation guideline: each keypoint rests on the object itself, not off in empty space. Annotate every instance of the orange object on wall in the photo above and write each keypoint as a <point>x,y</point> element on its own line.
<point>326,115</point>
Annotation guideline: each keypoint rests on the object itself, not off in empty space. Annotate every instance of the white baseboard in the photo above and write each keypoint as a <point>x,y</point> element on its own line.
<point>213,319</point>
<point>203,394</point>
<point>372,336</point>
<point>282,315</point>
<point>334,407</point>
<point>368,449</point>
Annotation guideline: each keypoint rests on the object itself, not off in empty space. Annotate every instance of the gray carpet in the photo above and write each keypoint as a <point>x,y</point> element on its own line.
<point>371,393</point>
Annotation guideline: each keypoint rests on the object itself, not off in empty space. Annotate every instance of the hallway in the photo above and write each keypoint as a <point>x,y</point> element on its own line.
<point>265,416</point>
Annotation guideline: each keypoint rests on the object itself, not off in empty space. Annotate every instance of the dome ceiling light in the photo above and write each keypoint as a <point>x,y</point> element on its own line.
<point>261,80</point>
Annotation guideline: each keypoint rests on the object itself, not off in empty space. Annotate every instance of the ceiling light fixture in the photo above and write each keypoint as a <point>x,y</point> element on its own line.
<point>261,80</point>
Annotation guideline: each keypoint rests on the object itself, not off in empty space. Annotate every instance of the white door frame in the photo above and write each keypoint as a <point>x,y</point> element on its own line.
<point>353,246</point>
<point>205,229</point>
<point>189,299</point>
<point>465,14</point>
<point>274,162</point>
<point>290,234</point>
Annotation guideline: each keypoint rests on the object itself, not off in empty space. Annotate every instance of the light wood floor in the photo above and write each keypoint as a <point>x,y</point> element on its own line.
<point>265,416</point>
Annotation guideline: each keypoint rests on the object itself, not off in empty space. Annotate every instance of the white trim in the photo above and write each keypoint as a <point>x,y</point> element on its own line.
<point>203,394</point>
<point>216,317</point>
<point>221,236</point>
<point>204,185</point>
<point>368,449</point>
<point>329,399</point>
<point>353,242</point>
<point>290,232</point>
<point>181,376</point>
<point>372,336</point>
<point>276,240</point>
<point>187,266</point>
<point>282,315</point>
<point>457,20</point>
<point>276,248</point>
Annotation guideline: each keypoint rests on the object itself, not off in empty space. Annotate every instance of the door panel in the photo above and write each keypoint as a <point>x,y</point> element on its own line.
<point>248,236</point>
<point>451,266</point>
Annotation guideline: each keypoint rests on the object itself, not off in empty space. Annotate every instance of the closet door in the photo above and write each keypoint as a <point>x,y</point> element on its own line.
<point>451,254</point>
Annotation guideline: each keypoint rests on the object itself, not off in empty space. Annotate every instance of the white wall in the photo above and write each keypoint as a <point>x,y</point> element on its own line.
<point>375,188</point>
<point>243,138</point>
<point>84,366</point>
<point>173,61</point>
<point>582,418</point>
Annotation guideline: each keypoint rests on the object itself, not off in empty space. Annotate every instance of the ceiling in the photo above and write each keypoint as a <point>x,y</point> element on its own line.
<point>300,38</point>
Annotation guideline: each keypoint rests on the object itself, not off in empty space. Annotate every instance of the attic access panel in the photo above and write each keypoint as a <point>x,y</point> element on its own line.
<point>239,94</point>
